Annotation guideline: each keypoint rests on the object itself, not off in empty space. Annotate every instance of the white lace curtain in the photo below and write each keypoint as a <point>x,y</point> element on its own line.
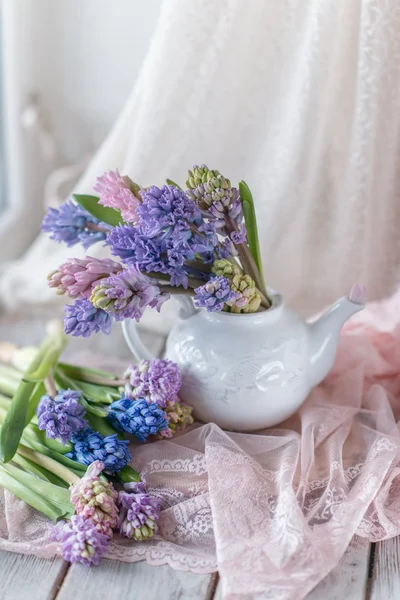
<point>299,98</point>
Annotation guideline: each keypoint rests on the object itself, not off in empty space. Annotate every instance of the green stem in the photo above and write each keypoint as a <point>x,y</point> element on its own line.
<point>90,375</point>
<point>40,472</point>
<point>48,463</point>
<point>94,393</point>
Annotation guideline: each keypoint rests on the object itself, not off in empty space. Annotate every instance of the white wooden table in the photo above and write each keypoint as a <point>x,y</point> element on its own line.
<point>366,571</point>
<point>28,577</point>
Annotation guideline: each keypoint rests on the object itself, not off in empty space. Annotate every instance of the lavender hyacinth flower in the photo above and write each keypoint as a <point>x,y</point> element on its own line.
<point>137,249</point>
<point>80,541</point>
<point>137,417</point>
<point>139,512</point>
<point>118,191</point>
<point>171,233</point>
<point>165,209</point>
<point>157,381</point>
<point>127,294</point>
<point>72,224</point>
<point>214,294</point>
<point>78,276</point>
<point>83,319</point>
<point>239,236</point>
<point>89,446</point>
<point>61,416</point>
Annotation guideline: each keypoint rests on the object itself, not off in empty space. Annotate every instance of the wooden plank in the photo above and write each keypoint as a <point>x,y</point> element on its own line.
<point>385,584</point>
<point>348,580</point>
<point>30,577</point>
<point>137,581</point>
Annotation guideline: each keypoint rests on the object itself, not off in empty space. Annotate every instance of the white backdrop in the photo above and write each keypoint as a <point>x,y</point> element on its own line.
<point>300,99</point>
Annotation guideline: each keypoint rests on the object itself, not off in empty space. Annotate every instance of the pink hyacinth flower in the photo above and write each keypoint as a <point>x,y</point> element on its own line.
<point>78,276</point>
<point>116,191</point>
<point>95,499</point>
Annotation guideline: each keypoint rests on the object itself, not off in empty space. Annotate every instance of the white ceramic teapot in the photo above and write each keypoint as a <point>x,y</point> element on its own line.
<point>250,371</point>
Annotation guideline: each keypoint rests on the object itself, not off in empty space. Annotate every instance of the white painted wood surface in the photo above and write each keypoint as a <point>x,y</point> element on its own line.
<point>385,584</point>
<point>28,577</point>
<point>137,581</point>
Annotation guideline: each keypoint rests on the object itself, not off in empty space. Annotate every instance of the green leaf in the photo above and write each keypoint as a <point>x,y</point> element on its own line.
<point>32,439</point>
<point>37,493</point>
<point>251,224</point>
<point>48,361</point>
<point>103,213</point>
<point>103,426</point>
<point>128,475</point>
<point>93,408</point>
<point>8,383</point>
<point>17,413</point>
<point>15,419</point>
<point>170,182</point>
<point>53,444</point>
<point>37,393</point>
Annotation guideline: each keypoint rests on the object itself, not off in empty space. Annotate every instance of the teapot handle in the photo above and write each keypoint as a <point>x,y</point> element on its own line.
<point>131,331</point>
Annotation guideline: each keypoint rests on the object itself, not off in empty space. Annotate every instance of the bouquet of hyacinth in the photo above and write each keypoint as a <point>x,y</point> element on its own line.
<point>64,443</point>
<point>202,242</point>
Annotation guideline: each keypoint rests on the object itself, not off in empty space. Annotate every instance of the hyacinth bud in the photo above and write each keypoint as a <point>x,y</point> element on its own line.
<point>179,417</point>
<point>95,499</point>
<point>200,175</point>
<point>248,299</point>
<point>99,298</point>
<point>211,190</point>
<point>225,268</point>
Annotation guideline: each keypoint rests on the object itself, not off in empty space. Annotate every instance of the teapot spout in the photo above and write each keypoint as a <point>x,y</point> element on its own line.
<point>324,333</point>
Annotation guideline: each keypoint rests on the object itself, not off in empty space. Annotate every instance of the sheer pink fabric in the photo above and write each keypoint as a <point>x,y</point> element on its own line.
<point>273,511</point>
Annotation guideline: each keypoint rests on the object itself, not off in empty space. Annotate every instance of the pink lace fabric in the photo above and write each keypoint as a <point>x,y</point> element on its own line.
<point>273,511</point>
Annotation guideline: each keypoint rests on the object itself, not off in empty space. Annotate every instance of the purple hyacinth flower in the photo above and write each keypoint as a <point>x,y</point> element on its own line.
<point>214,294</point>
<point>157,381</point>
<point>139,512</point>
<point>89,446</point>
<point>80,541</point>
<point>239,236</point>
<point>226,249</point>
<point>72,224</point>
<point>164,208</point>
<point>83,319</point>
<point>127,294</point>
<point>137,417</point>
<point>61,416</point>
